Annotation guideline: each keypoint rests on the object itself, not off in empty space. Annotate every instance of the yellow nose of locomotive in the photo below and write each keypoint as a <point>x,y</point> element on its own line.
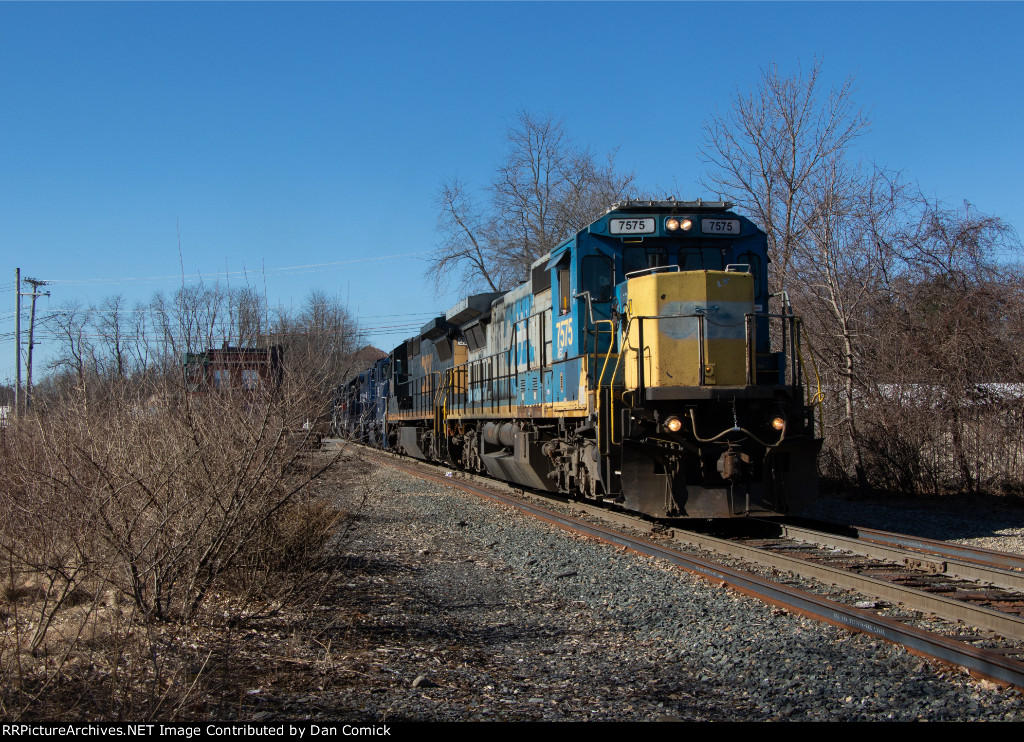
<point>689,328</point>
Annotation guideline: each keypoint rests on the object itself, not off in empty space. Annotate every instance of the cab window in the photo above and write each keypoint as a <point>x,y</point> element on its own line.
<point>563,290</point>
<point>754,261</point>
<point>641,258</point>
<point>699,258</point>
<point>598,277</point>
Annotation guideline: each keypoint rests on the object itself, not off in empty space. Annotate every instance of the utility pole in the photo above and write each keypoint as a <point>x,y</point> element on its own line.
<point>31,329</point>
<point>17,341</point>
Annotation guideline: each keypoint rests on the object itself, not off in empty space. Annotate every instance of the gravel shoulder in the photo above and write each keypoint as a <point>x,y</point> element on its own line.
<point>986,522</point>
<point>450,608</point>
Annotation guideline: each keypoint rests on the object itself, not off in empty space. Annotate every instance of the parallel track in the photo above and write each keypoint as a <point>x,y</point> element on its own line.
<point>979,595</point>
<point>999,664</point>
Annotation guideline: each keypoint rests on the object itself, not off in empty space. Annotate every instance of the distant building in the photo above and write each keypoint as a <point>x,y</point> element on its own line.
<point>363,358</point>
<point>237,369</point>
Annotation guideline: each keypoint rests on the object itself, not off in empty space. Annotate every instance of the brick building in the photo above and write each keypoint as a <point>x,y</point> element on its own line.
<point>229,368</point>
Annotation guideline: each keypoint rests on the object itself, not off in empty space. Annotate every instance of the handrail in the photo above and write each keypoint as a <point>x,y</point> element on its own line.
<point>818,398</point>
<point>654,269</point>
<point>484,387</point>
<point>597,352</point>
<point>750,339</point>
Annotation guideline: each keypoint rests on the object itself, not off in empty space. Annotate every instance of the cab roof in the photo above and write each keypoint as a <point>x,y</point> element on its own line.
<point>698,205</point>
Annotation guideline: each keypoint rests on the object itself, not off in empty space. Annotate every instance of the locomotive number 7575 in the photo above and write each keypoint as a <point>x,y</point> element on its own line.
<point>564,334</point>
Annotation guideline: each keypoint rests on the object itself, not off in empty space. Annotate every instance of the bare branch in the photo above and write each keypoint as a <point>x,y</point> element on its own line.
<point>772,144</point>
<point>545,189</point>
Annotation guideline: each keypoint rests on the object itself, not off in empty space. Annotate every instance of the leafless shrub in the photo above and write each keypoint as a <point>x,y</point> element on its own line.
<point>141,505</point>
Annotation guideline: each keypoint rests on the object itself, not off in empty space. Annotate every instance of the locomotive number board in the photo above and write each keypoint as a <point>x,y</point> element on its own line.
<point>632,226</point>
<point>720,226</point>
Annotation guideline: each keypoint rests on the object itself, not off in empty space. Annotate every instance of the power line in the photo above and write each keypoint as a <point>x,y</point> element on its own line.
<point>285,270</point>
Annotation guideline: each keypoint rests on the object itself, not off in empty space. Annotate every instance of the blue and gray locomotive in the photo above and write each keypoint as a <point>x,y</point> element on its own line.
<point>644,363</point>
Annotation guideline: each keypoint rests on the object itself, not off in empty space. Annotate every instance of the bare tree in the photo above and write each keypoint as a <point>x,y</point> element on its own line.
<point>319,341</point>
<point>839,269</point>
<point>71,325</point>
<point>164,327</point>
<point>951,324</point>
<point>961,244</point>
<point>249,311</point>
<point>545,189</point>
<point>774,146</point>
<point>466,246</point>
<point>110,324</point>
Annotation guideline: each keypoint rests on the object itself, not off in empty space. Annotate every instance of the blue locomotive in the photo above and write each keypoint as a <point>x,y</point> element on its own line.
<point>644,363</point>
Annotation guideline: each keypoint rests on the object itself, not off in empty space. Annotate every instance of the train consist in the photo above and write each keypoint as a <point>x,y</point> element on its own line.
<point>644,362</point>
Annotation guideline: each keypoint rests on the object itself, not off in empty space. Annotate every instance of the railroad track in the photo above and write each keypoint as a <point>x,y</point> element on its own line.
<point>979,594</point>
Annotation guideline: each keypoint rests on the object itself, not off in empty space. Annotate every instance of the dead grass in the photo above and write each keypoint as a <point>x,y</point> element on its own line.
<point>132,531</point>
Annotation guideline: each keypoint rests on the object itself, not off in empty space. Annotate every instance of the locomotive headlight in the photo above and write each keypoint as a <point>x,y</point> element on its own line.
<point>674,424</point>
<point>779,423</point>
<point>674,225</point>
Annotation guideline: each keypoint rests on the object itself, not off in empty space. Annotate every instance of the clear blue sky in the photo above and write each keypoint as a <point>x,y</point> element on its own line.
<point>275,135</point>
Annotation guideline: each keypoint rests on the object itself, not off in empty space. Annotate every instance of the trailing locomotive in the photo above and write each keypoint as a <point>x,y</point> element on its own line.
<point>641,363</point>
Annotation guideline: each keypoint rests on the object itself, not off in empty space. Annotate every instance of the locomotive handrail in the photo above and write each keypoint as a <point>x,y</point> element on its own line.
<point>595,322</point>
<point>793,352</point>
<point>512,358</point>
<point>818,398</point>
<point>797,370</point>
<point>478,386</point>
<point>590,306</point>
<point>511,345</point>
<point>654,269</point>
<point>751,347</point>
<point>597,353</point>
<point>441,395</point>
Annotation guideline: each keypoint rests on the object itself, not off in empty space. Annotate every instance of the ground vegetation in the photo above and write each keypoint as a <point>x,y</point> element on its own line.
<point>142,502</point>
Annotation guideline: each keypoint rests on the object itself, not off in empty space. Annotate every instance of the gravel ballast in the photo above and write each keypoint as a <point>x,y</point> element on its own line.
<point>453,608</point>
<point>986,522</point>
